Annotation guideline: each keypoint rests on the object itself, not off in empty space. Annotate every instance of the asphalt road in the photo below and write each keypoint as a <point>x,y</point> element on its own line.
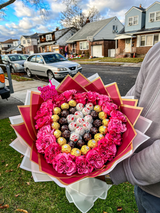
<point>124,76</point>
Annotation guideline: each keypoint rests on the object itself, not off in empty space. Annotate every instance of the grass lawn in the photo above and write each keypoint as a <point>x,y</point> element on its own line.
<point>108,59</point>
<point>21,192</point>
<point>18,77</point>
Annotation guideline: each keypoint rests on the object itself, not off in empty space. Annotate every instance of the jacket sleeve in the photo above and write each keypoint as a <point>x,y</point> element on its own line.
<point>140,169</point>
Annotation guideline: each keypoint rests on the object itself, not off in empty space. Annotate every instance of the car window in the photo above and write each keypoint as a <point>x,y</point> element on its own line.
<point>17,57</point>
<point>33,58</point>
<point>39,58</point>
<point>52,58</point>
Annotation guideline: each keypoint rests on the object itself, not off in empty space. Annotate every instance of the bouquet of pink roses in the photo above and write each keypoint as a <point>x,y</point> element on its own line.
<point>79,129</point>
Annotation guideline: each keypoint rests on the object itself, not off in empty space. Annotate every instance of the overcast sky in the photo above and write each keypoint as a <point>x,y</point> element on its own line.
<point>25,20</point>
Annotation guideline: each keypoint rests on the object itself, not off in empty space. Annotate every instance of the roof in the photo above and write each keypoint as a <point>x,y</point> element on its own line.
<point>90,29</point>
<point>9,41</point>
<point>35,35</point>
<point>141,9</point>
<point>156,2</point>
<point>143,30</point>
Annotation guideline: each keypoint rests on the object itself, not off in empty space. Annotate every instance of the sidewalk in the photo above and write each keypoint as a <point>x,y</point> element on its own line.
<point>123,64</point>
<point>20,88</point>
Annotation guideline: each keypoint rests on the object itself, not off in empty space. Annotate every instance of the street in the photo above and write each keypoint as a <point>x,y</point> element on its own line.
<point>124,76</point>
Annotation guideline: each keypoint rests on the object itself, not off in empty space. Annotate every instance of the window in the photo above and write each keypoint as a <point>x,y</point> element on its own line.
<point>38,59</point>
<point>24,41</point>
<point>9,45</point>
<point>84,45</point>
<point>142,41</point>
<point>48,37</point>
<point>133,20</point>
<point>47,48</point>
<point>33,58</point>
<point>155,16</point>
<point>28,41</point>
<point>149,40</point>
<point>156,39</point>
<point>158,16</point>
<point>115,28</point>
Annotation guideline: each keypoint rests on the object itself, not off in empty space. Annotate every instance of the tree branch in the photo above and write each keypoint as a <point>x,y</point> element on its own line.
<point>6,3</point>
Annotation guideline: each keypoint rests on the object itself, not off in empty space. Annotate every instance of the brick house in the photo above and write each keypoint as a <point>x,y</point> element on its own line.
<point>55,41</point>
<point>95,38</point>
<point>30,43</point>
<point>141,32</point>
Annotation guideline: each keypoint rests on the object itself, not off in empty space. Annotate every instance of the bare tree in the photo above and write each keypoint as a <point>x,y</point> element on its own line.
<point>74,16</point>
<point>39,4</point>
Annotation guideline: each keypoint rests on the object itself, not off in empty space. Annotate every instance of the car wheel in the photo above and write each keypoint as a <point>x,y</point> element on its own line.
<point>50,75</point>
<point>29,74</point>
<point>12,70</point>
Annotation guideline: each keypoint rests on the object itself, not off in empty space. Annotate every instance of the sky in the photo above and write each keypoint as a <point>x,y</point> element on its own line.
<point>21,19</point>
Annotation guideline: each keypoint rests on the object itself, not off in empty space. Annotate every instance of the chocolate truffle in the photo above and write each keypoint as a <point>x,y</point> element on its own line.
<point>64,127</point>
<point>66,134</point>
<point>80,143</point>
<point>72,110</point>
<point>63,120</point>
<point>87,137</point>
<point>72,144</point>
<point>64,113</point>
<point>94,114</point>
<point>93,130</point>
<point>97,123</point>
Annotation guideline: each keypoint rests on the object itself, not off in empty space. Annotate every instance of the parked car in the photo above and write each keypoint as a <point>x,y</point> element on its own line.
<point>52,65</point>
<point>4,91</point>
<point>16,62</point>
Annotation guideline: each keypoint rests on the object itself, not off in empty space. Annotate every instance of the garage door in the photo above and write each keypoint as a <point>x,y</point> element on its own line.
<point>97,51</point>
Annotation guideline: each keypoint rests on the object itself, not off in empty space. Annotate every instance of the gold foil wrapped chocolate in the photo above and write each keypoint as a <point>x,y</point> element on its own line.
<point>66,148</point>
<point>57,133</point>
<point>56,111</point>
<point>97,108</point>
<point>55,125</point>
<point>98,136</point>
<point>103,129</point>
<point>55,118</point>
<point>84,149</point>
<point>102,115</point>
<point>72,103</point>
<point>65,106</point>
<point>61,141</point>
<point>105,122</point>
<point>92,143</point>
<point>76,152</point>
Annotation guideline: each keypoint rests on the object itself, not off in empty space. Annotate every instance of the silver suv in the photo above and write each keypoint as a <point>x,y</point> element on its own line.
<point>52,65</point>
<point>4,91</point>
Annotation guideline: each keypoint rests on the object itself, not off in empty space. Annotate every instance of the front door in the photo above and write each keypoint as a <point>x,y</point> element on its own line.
<point>128,45</point>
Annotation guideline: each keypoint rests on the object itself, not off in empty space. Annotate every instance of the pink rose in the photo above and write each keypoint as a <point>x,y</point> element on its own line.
<point>44,141</point>
<point>52,151</point>
<point>64,163</point>
<point>103,99</point>
<point>46,120</point>
<point>92,97</point>
<point>108,107</point>
<point>82,165</point>
<point>107,152</point>
<point>69,94</point>
<point>113,137</point>
<point>116,125</point>
<point>80,97</point>
<point>44,130</point>
<point>93,158</point>
<point>119,115</point>
<point>48,92</point>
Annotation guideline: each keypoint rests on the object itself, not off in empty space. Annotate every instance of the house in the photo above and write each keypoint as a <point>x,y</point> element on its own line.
<point>5,45</point>
<point>16,48</point>
<point>30,43</point>
<point>95,38</point>
<point>141,32</point>
<point>55,41</point>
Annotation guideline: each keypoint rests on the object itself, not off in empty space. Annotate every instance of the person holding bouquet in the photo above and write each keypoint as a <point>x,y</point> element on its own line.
<point>142,169</point>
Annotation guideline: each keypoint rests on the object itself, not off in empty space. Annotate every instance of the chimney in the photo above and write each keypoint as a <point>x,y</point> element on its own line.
<point>140,5</point>
<point>57,28</point>
<point>87,21</point>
